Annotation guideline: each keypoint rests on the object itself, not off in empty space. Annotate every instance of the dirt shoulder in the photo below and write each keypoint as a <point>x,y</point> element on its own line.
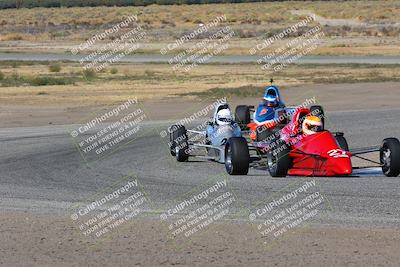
<point>44,240</point>
<point>334,97</point>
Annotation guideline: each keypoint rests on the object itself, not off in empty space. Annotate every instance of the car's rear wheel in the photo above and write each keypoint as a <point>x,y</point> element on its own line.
<point>179,142</point>
<point>237,156</point>
<point>319,112</point>
<point>390,157</point>
<point>174,132</point>
<point>342,142</point>
<point>278,160</point>
<point>242,115</point>
<point>181,150</point>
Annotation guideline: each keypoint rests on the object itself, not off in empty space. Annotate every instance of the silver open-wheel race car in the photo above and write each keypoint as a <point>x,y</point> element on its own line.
<point>185,143</point>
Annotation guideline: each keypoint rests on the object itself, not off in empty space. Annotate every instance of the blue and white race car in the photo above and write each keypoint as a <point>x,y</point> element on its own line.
<point>270,110</point>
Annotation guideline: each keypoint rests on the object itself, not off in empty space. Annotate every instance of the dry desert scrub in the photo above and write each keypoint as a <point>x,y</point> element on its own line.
<point>148,81</point>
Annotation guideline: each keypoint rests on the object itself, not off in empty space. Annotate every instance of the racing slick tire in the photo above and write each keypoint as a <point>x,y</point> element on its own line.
<point>179,142</point>
<point>390,157</point>
<point>319,112</point>
<point>174,132</point>
<point>278,160</point>
<point>242,115</point>
<point>341,140</point>
<point>237,156</point>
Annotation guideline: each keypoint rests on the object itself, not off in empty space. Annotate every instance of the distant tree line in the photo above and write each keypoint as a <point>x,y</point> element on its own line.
<point>81,3</point>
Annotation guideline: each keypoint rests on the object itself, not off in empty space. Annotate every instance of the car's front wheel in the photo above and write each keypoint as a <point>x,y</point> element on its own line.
<point>237,156</point>
<point>179,145</point>
<point>278,160</point>
<point>390,157</point>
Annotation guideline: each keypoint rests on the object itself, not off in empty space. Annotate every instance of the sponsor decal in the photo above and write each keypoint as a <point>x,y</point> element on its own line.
<point>263,111</point>
<point>337,153</point>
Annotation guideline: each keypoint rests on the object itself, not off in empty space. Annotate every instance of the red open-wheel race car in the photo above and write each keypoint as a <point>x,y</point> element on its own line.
<point>286,150</point>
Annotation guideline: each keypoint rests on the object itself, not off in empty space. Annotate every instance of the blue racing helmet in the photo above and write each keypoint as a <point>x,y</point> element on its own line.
<point>270,100</point>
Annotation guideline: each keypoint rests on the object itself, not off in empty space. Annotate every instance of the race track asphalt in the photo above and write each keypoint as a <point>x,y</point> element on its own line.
<point>157,58</point>
<point>42,171</point>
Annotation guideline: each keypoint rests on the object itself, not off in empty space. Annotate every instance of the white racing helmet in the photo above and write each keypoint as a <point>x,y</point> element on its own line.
<point>312,125</point>
<point>224,117</point>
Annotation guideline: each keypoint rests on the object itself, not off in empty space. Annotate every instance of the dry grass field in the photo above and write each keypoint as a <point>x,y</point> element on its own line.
<point>351,27</point>
<point>266,13</point>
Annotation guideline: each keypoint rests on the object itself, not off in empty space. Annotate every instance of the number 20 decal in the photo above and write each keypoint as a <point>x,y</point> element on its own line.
<point>337,153</point>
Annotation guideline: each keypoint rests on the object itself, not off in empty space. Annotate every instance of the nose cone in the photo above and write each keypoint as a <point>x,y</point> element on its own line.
<point>341,166</point>
<point>225,131</point>
<point>222,134</point>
